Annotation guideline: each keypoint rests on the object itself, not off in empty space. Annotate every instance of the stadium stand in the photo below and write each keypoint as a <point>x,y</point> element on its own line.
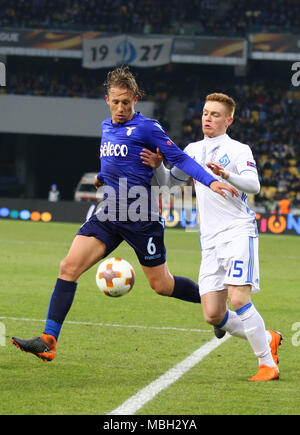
<point>197,17</point>
<point>267,116</point>
<point>268,110</point>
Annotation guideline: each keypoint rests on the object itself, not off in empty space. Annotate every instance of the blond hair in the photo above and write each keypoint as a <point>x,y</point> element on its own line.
<point>122,77</point>
<point>228,102</point>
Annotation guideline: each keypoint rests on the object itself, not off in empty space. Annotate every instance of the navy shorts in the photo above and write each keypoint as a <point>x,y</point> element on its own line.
<point>146,238</point>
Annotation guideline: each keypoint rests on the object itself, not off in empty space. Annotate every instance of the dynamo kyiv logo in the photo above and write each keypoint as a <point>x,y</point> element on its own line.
<point>127,51</point>
<point>224,161</point>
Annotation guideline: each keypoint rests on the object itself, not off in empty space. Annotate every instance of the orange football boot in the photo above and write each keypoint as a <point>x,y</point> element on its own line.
<point>274,345</point>
<point>265,373</point>
<point>43,347</point>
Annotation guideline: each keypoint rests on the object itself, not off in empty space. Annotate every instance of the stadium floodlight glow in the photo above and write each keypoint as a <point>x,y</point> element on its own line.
<point>35,216</point>
<point>46,216</point>
<point>24,215</point>
<point>14,214</point>
<point>4,212</point>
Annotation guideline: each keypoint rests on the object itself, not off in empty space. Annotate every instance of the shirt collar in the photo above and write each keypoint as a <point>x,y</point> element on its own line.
<point>212,142</point>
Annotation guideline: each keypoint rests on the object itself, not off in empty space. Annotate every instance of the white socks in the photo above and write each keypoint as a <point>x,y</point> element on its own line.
<point>247,323</point>
<point>233,325</point>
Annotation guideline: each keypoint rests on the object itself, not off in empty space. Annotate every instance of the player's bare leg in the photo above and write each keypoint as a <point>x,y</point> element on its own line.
<point>165,284</point>
<point>83,254</point>
<point>239,295</point>
<point>214,306</point>
<point>160,279</point>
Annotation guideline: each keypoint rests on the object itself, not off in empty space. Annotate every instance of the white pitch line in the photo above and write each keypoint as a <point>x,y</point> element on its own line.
<point>111,325</point>
<point>134,403</point>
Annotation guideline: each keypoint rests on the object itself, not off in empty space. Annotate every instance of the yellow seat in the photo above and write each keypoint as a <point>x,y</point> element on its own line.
<point>267,172</point>
<point>270,192</point>
<point>293,170</point>
<point>292,162</point>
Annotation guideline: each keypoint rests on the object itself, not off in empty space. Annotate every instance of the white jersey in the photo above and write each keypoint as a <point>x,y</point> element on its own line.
<point>222,219</point>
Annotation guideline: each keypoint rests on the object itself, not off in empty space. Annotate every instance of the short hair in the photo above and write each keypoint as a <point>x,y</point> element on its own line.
<point>122,77</point>
<point>228,102</point>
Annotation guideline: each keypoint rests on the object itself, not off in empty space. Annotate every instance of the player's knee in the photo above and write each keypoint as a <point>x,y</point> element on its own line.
<point>213,318</point>
<point>68,270</point>
<point>238,301</point>
<point>239,296</point>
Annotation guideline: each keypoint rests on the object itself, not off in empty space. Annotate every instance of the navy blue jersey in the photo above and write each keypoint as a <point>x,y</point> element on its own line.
<point>120,149</point>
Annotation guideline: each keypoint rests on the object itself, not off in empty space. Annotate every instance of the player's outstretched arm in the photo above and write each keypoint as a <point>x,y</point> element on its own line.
<point>164,176</point>
<point>247,181</point>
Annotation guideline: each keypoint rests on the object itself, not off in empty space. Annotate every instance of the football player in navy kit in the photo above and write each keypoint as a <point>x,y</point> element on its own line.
<point>124,135</point>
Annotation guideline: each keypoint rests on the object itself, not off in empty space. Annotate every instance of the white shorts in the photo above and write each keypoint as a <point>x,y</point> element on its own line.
<point>232,263</point>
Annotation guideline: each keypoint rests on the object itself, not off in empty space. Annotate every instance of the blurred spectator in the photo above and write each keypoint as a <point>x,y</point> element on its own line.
<point>284,206</point>
<point>54,194</point>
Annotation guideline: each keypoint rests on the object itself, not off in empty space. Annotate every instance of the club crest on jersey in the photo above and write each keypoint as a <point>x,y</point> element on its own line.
<point>224,161</point>
<point>130,130</point>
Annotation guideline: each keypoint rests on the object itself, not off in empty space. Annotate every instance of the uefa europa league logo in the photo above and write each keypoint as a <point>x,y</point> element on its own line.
<point>2,74</point>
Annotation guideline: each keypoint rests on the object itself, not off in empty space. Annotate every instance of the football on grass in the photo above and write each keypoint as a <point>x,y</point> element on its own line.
<point>115,277</point>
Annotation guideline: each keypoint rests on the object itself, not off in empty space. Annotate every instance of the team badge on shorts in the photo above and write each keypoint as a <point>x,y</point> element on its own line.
<point>224,161</point>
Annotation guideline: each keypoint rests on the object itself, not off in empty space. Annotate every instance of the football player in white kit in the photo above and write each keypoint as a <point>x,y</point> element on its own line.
<point>228,233</point>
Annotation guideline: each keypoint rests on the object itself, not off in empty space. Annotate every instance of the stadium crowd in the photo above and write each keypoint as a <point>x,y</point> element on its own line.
<point>267,116</point>
<point>210,17</point>
<point>62,78</point>
<point>53,83</point>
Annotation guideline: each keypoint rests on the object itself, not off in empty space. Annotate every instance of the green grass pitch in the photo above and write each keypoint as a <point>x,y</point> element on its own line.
<point>110,348</point>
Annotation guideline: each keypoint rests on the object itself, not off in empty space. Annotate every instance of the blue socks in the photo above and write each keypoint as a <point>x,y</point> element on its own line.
<point>64,292</point>
<point>59,305</point>
<point>220,325</point>
<point>186,290</point>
